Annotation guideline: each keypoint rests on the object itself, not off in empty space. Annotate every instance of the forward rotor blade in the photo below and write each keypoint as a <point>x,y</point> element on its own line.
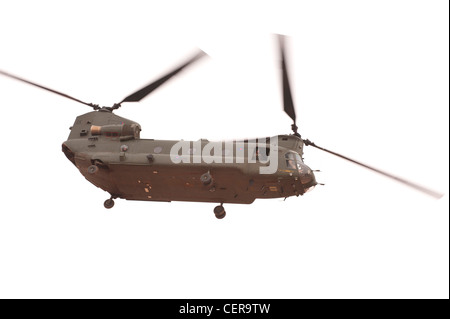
<point>48,89</point>
<point>398,179</point>
<point>287,95</point>
<point>140,94</point>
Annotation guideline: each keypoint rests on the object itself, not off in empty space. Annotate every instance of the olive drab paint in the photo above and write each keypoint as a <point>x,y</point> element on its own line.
<point>109,152</point>
<point>173,173</point>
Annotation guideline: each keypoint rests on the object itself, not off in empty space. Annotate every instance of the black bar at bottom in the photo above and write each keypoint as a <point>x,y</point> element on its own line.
<point>226,308</point>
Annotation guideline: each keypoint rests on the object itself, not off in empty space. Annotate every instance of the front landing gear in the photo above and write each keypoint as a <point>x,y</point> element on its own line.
<point>219,211</point>
<point>109,203</point>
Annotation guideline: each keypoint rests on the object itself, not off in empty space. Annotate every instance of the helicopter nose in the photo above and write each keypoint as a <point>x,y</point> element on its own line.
<point>307,177</point>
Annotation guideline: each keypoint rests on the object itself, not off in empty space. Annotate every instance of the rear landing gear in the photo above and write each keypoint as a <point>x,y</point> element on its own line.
<point>219,211</point>
<point>109,203</point>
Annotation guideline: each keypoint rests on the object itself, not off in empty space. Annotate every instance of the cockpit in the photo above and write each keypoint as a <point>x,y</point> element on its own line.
<point>294,161</point>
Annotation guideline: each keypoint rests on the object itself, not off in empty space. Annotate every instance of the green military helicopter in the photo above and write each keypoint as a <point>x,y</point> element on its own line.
<point>109,152</point>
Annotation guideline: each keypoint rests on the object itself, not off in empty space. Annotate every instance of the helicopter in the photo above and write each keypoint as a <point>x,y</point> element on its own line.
<point>108,151</point>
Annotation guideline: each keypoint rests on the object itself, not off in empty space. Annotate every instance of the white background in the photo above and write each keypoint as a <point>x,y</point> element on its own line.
<point>369,78</point>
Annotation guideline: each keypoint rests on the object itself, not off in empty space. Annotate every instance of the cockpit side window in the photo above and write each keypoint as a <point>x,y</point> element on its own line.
<point>290,160</point>
<point>298,160</point>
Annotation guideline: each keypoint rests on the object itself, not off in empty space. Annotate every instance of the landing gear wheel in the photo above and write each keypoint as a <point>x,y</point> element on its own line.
<point>109,203</point>
<point>219,211</point>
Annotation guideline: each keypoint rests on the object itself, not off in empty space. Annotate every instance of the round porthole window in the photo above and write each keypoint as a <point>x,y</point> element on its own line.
<point>157,149</point>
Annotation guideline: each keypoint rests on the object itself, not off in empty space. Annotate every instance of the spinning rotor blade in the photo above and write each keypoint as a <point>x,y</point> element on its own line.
<point>140,94</point>
<point>398,179</point>
<point>287,95</point>
<point>50,90</point>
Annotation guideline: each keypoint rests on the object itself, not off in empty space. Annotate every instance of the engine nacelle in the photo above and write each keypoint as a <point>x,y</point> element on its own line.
<point>117,130</point>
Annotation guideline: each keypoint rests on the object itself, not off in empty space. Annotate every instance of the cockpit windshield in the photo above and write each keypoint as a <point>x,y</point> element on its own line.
<point>293,160</point>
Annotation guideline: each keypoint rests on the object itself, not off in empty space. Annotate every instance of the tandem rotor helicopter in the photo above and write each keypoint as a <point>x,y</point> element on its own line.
<point>108,151</point>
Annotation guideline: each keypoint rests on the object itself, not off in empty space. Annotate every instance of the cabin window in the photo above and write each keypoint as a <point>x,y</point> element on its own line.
<point>261,154</point>
<point>157,149</point>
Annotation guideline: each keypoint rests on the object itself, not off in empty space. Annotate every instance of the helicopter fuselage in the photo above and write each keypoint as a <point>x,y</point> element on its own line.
<point>108,151</point>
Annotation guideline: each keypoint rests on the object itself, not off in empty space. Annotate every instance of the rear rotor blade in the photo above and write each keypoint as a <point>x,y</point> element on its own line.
<point>95,106</point>
<point>398,179</point>
<point>287,95</point>
<point>140,94</point>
